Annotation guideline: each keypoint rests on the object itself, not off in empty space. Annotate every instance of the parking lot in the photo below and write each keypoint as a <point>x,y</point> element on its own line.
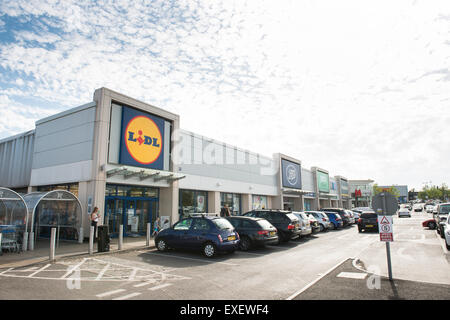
<point>274,272</point>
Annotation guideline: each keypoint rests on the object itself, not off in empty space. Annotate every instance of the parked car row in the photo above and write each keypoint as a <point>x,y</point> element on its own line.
<point>212,234</point>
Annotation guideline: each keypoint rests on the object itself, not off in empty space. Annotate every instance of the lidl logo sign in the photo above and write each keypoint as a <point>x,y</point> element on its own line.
<point>142,139</point>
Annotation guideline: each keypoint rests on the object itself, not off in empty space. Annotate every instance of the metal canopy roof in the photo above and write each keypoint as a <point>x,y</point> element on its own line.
<point>143,174</point>
<point>13,208</point>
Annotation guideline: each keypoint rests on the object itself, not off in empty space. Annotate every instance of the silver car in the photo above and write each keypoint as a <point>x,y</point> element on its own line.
<point>322,218</point>
<point>305,224</point>
<point>352,219</point>
<point>404,212</point>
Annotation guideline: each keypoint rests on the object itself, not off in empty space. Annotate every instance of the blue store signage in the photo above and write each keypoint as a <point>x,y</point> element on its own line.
<point>291,174</point>
<point>142,137</point>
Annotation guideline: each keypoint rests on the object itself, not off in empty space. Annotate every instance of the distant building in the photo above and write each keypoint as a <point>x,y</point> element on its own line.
<point>402,189</point>
<point>361,192</point>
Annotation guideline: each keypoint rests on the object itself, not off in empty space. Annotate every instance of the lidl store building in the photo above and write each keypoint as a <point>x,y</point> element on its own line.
<point>132,161</point>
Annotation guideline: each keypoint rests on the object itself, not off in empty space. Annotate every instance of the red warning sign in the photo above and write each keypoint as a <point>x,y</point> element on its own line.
<point>385,228</point>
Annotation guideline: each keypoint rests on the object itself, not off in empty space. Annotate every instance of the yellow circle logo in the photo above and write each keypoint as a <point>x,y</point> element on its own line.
<point>143,140</point>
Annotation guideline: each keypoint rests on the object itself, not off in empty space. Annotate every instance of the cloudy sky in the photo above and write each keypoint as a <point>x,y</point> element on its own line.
<point>359,88</point>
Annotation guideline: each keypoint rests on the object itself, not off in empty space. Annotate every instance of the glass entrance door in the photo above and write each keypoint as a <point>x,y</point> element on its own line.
<point>114,214</point>
<point>133,214</point>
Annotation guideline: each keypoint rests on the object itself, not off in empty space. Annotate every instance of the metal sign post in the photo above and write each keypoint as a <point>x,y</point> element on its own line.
<point>386,204</point>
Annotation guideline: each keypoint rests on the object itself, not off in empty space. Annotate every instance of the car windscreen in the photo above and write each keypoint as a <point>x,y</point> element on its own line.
<point>264,224</point>
<point>222,224</point>
<point>445,209</point>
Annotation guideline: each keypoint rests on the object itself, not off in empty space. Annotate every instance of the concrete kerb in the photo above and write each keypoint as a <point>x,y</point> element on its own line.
<point>39,260</point>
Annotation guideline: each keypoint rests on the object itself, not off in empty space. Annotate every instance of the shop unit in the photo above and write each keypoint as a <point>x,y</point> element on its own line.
<point>361,192</point>
<point>343,191</point>
<point>218,175</point>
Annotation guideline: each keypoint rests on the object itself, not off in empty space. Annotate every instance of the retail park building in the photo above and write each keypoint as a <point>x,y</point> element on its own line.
<point>132,161</point>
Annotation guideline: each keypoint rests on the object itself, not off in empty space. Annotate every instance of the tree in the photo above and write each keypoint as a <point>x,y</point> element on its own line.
<point>434,192</point>
<point>392,190</point>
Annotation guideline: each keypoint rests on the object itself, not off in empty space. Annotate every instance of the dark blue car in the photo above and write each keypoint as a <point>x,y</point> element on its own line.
<point>208,234</point>
<point>335,220</point>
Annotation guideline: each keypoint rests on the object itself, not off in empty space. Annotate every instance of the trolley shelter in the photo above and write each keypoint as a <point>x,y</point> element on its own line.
<point>13,220</point>
<point>58,209</point>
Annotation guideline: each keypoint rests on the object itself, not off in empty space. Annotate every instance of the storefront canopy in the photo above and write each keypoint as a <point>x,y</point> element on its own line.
<point>13,209</point>
<point>59,209</point>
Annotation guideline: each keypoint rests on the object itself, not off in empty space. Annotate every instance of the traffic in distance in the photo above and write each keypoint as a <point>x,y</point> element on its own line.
<point>211,234</point>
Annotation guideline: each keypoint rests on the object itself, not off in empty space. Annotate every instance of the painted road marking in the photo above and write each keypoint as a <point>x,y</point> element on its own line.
<point>143,284</point>
<point>160,286</point>
<point>352,275</point>
<point>132,274</point>
<point>73,269</point>
<point>131,295</point>
<point>7,270</point>
<point>110,293</point>
<point>39,270</point>
<point>317,280</point>
<point>100,275</point>
<point>192,259</point>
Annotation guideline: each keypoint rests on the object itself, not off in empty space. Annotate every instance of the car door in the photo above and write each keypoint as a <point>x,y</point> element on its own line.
<point>198,233</point>
<point>180,234</point>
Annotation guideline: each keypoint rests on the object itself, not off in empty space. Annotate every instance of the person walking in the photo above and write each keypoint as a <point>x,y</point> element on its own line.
<point>94,221</point>
<point>156,227</point>
<point>225,211</point>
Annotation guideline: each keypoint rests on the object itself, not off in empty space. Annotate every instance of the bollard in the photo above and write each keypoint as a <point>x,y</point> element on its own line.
<point>31,241</point>
<point>25,241</point>
<point>80,235</point>
<point>1,251</point>
<point>120,237</point>
<point>148,234</point>
<point>91,240</point>
<point>52,244</point>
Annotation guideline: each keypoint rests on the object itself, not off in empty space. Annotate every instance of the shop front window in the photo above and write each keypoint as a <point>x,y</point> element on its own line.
<point>233,202</point>
<point>72,187</point>
<point>259,202</point>
<point>192,201</point>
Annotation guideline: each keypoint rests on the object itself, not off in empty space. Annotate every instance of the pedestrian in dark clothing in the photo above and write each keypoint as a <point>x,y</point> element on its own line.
<point>225,212</point>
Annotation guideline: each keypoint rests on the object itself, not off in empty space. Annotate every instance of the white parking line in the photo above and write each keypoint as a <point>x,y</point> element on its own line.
<point>317,280</point>
<point>143,284</point>
<point>160,287</point>
<point>131,295</point>
<point>132,274</point>
<point>7,270</point>
<point>192,259</point>
<point>39,270</point>
<point>109,293</point>
<point>100,275</point>
<point>73,268</point>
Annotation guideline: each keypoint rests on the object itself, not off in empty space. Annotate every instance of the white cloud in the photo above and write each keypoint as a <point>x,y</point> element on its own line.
<point>351,86</point>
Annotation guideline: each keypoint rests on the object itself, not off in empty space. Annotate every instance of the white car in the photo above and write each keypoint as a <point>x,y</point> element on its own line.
<point>404,212</point>
<point>430,208</point>
<point>447,232</point>
<point>418,207</point>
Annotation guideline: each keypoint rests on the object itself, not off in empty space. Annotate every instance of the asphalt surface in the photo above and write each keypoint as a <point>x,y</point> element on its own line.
<point>271,273</point>
<point>339,285</point>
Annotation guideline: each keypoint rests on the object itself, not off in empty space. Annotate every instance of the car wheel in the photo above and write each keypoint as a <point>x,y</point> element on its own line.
<point>245,243</point>
<point>442,233</point>
<point>161,245</point>
<point>321,228</point>
<point>331,226</point>
<point>209,250</point>
<point>359,230</point>
<point>432,225</point>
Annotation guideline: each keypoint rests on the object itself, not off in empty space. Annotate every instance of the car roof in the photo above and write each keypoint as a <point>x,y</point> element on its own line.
<point>271,210</point>
<point>245,218</point>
